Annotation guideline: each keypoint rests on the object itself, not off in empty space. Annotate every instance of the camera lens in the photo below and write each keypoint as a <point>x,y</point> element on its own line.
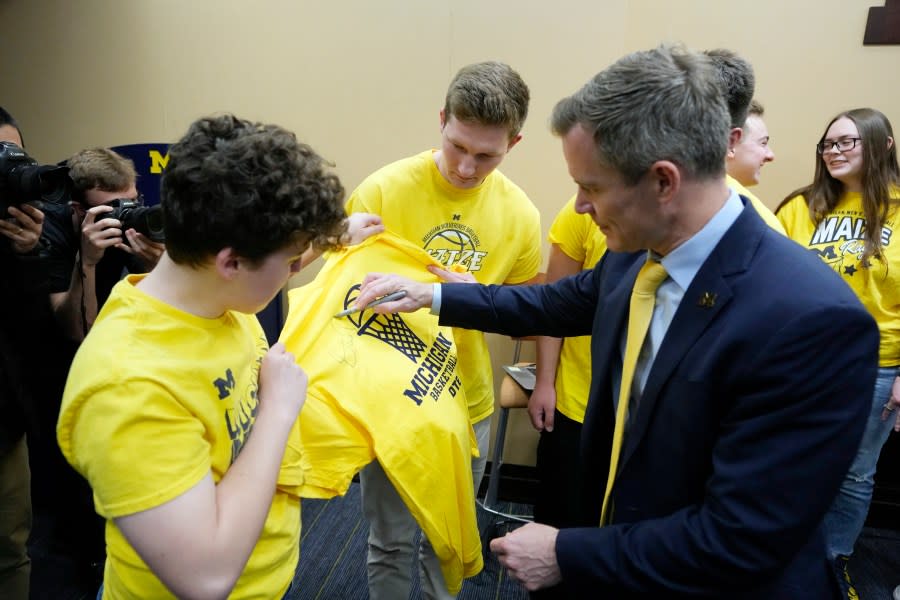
<point>44,182</point>
<point>143,219</point>
<point>23,180</point>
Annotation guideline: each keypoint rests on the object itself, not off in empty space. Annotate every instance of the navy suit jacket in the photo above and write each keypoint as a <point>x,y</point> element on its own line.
<point>751,414</point>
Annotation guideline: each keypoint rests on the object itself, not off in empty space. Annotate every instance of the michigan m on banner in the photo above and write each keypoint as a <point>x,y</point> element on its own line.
<point>385,387</point>
<point>150,161</point>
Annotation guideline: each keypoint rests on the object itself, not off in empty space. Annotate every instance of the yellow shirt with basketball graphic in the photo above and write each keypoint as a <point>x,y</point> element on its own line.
<point>493,231</point>
<point>761,209</point>
<point>581,240</point>
<point>839,240</point>
<point>387,387</point>
<point>156,399</point>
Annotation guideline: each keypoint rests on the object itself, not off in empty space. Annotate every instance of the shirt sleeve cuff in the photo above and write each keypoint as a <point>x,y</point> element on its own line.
<point>436,299</point>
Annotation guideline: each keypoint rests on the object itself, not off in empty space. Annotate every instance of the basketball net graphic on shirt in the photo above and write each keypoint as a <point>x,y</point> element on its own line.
<point>389,328</point>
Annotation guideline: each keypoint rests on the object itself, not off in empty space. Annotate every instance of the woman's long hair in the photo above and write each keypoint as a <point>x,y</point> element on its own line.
<point>880,176</point>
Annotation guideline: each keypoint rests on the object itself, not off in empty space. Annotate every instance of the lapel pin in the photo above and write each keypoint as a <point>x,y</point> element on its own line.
<point>707,300</point>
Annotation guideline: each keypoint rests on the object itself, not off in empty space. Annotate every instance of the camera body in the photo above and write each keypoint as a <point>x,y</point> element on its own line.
<point>23,180</point>
<point>143,219</point>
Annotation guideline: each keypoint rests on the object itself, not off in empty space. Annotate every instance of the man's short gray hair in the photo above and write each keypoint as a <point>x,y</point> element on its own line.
<point>660,104</point>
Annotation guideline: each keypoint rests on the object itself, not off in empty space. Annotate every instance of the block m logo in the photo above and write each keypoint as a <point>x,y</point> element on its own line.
<point>226,385</point>
<point>158,162</point>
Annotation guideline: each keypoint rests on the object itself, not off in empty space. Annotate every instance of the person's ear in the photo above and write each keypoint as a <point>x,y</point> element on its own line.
<point>512,142</point>
<point>734,138</point>
<point>443,120</point>
<point>890,142</point>
<point>228,263</point>
<point>665,178</point>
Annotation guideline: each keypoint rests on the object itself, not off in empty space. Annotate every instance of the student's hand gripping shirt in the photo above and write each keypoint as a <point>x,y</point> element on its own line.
<point>156,399</point>
<point>385,387</point>
<point>492,231</point>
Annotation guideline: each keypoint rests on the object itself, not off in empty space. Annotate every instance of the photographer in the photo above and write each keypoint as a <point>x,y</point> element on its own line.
<point>87,249</point>
<point>85,252</point>
<point>20,307</point>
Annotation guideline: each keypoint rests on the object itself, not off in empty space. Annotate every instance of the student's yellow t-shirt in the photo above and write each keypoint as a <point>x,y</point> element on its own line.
<point>156,399</point>
<point>492,231</point>
<point>581,240</point>
<point>761,209</point>
<point>839,240</point>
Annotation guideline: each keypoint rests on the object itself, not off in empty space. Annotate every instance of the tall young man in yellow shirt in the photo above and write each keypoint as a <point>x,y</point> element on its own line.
<point>455,204</point>
<point>563,379</point>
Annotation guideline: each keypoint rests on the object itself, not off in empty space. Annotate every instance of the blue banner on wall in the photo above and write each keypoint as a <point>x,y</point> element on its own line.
<point>150,161</point>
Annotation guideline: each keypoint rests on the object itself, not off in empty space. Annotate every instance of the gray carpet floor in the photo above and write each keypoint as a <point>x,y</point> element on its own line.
<point>875,566</point>
<point>333,556</point>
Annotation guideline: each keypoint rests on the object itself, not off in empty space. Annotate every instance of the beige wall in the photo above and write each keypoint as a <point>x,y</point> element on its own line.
<point>363,80</point>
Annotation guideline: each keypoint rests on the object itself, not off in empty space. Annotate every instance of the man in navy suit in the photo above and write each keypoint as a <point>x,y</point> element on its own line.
<point>748,397</point>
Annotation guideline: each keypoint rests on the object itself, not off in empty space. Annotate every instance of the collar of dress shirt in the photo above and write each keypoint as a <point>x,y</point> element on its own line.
<point>683,262</point>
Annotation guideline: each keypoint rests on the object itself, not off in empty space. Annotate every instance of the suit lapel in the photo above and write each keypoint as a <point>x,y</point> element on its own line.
<point>708,294</point>
<point>690,321</point>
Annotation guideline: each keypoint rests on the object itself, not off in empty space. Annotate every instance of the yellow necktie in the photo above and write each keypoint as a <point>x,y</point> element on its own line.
<point>643,297</point>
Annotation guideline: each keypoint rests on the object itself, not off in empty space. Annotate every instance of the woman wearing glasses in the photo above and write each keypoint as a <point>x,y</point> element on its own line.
<point>850,216</point>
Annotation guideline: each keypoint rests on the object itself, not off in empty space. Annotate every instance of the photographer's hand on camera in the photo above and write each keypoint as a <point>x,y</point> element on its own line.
<point>24,229</point>
<point>98,234</point>
<point>143,247</point>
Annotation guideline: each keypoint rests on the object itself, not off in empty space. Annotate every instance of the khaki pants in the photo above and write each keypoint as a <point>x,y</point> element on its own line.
<point>15,522</point>
<point>392,530</point>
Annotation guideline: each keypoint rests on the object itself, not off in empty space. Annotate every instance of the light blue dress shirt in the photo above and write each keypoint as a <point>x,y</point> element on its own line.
<point>682,265</point>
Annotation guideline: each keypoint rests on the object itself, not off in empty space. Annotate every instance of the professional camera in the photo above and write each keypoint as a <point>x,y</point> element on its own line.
<point>143,219</point>
<point>23,180</point>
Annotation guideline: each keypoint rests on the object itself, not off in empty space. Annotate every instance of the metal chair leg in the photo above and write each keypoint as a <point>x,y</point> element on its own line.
<point>497,460</point>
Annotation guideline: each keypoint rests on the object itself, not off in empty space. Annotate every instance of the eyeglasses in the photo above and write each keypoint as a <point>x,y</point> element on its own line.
<point>841,145</point>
